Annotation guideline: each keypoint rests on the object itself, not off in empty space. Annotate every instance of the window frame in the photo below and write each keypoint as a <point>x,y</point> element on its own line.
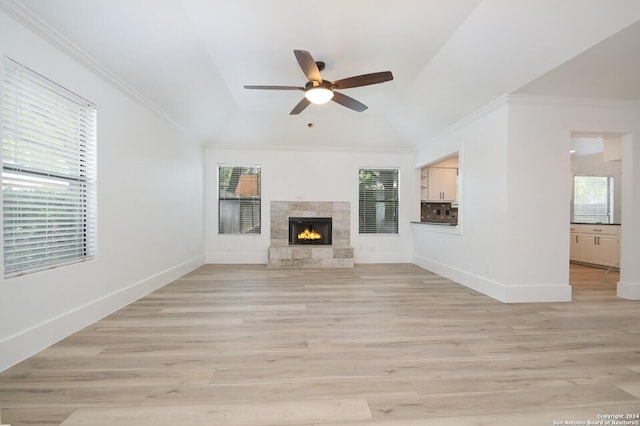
<point>49,139</point>
<point>390,205</point>
<point>586,217</point>
<point>251,204</point>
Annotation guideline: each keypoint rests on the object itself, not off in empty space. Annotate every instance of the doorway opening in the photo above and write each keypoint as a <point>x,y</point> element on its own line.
<point>596,208</point>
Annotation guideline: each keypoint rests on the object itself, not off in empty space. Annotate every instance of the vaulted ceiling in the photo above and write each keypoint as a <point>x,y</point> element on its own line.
<point>191,59</point>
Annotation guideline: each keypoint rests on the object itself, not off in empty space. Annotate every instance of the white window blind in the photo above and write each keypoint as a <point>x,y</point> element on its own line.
<point>49,173</point>
<point>593,199</point>
<point>378,201</point>
<point>239,200</point>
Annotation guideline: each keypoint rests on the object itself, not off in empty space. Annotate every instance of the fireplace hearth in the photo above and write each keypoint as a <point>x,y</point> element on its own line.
<point>310,230</point>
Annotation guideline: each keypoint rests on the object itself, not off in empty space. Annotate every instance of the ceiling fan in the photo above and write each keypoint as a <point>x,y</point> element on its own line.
<point>319,91</point>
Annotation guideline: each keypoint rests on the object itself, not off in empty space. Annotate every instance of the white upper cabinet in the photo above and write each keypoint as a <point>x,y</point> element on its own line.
<point>441,184</point>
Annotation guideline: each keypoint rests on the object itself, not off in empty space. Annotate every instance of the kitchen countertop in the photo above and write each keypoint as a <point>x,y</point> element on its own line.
<point>437,223</point>
<point>592,223</point>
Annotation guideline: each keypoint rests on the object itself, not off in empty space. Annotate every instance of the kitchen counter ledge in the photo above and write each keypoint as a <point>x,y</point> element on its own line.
<point>595,224</point>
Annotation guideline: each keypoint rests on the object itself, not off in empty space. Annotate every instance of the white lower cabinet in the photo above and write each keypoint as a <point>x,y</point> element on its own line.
<point>574,245</point>
<point>596,244</point>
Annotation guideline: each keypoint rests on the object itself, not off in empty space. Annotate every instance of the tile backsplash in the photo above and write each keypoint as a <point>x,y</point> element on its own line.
<point>438,212</point>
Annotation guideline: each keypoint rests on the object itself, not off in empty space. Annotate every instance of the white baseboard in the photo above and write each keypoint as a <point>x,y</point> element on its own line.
<point>497,290</point>
<point>20,346</point>
<point>381,257</point>
<point>262,259</point>
<point>630,291</point>
<point>537,293</point>
<point>236,259</point>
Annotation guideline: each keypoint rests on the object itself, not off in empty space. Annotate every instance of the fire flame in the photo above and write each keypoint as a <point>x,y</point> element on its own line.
<point>309,234</point>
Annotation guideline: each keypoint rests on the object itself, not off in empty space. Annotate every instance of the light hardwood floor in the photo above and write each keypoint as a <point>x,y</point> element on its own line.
<point>376,345</point>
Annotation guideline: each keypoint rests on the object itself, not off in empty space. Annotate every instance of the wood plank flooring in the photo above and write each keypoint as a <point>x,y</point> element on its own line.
<point>376,345</point>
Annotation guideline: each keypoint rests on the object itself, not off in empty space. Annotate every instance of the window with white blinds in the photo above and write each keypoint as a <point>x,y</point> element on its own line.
<point>378,201</point>
<point>48,173</point>
<point>593,199</point>
<point>239,200</point>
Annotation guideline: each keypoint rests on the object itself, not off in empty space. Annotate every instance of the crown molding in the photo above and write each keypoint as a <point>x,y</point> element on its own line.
<point>507,100</point>
<point>495,104</point>
<point>37,25</point>
<point>571,102</point>
<point>312,148</point>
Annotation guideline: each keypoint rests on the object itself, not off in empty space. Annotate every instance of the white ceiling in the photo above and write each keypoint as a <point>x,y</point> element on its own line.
<point>586,145</point>
<point>191,58</point>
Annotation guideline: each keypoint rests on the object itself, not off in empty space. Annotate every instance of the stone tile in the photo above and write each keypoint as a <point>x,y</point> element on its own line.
<point>343,253</point>
<point>285,256</point>
<point>341,242</point>
<point>274,263</point>
<point>342,217</point>
<point>322,252</point>
<point>280,242</point>
<point>339,234</point>
<point>301,252</point>
<point>279,206</point>
<point>301,205</point>
<point>280,252</point>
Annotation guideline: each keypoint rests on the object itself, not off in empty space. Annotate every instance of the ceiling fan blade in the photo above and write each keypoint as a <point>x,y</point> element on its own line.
<point>308,65</point>
<point>274,87</point>
<point>348,102</point>
<point>363,80</point>
<point>300,107</point>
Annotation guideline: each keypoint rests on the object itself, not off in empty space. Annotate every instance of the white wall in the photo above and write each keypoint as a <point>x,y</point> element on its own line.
<point>538,216</point>
<point>307,175</point>
<point>474,252</point>
<point>150,211</point>
<point>515,170</point>
<point>545,125</point>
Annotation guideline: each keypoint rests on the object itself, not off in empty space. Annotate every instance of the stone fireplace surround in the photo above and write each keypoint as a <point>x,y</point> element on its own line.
<point>337,255</point>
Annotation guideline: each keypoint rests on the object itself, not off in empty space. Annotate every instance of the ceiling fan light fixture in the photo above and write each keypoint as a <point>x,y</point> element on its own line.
<point>318,95</point>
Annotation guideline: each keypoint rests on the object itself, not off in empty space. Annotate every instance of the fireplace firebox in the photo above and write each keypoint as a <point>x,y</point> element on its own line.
<point>310,230</point>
